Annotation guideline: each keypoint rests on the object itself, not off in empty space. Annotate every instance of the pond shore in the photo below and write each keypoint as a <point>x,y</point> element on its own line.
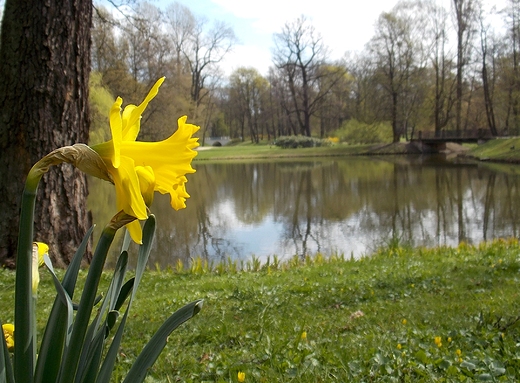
<point>498,150</point>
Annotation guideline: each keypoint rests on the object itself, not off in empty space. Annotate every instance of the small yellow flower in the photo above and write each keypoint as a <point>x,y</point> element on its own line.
<point>404,321</point>
<point>241,376</point>
<point>449,339</point>
<point>399,346</point>
<point>438,341</point>
<point>43,249</point>
<point>39,250</point>
<point>458,352</point>
<point>8,329</point>
<point>304,335</point>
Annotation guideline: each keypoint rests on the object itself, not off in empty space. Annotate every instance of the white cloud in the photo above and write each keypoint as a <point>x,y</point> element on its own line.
<point>344,25</point>
<point>247,56</point>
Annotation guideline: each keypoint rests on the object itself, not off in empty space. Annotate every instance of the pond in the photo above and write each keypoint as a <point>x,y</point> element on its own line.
<point>350,206</point>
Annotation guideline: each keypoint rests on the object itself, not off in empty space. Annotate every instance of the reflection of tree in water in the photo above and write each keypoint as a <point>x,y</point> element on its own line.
<point>334,205</point>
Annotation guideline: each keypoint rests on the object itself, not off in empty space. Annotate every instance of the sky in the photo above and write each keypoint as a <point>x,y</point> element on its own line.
<point>345,25</point>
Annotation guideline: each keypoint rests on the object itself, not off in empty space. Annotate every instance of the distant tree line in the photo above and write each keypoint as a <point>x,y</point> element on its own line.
<point>426,68</point>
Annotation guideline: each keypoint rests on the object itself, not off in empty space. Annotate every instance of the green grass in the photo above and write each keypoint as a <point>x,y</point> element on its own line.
<point>507,150</point>
<point>368,320</point>
<point>260,151</point>
<point>500,150</point>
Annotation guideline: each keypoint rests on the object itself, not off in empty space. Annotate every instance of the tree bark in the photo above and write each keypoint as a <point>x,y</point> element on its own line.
<point>44,73</point>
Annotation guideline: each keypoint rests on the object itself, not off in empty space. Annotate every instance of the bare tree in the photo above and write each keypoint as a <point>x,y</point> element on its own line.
<point>442,64</point>
<point>393,52</point>
<point>199,46</point>
<point>465,12</point>
<point>511,69</point>
<point>247,92</point>
<point>300,55</point>
<point>488,77</point>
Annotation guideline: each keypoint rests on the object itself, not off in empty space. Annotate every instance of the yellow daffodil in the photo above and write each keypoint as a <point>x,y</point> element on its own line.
<point>43,249</point>
<point>241,376</point>
<point>8,329</point>
<point>39,250</point>
<point>140,168</point>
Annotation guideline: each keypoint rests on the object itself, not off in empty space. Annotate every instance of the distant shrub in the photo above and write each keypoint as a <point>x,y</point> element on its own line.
<point>300,142</point>
<point>356,132</point>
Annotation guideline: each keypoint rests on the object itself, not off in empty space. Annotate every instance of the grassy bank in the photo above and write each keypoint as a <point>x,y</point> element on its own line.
<point>264,151</point>
<point>500,150</point>
<point>408,315</point>
<point>504,150</point>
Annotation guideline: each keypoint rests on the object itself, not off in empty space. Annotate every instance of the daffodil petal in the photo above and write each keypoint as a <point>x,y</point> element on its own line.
<point>169,175</point>
<point>43,249</point>
<point>137,169</point>
<point>146,179</point>
<point>116,126</point>
<point>34,270</point>
<point>131,128</point>
<point>130,132</point>
<point>135,231</point>
<point>128,192</point>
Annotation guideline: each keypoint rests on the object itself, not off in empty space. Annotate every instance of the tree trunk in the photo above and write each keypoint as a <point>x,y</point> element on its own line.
<point>44,72</point>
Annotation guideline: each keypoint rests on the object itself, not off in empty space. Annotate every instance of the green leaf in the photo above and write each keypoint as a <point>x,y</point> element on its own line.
<point>468,365</point>
<point>124,293</point>
<point>112,318</point>
<point>72,354</point>
<point>105,372</point>
<point>62,295</point>
<point>127,240</point>
<point>90,365</point>
<point>101,323</point>
<point>53,341</point>
<point>144,252</point>
<point>154,347</point>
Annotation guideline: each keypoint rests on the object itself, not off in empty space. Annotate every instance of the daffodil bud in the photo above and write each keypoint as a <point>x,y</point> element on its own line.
<point>79,155</point>
<point>8,329</point>
<point>39,250</point>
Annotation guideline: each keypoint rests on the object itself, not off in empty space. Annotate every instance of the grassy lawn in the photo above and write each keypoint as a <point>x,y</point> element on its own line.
<point>260,151</point>
<point>402,314</point>
<point>501,150</point>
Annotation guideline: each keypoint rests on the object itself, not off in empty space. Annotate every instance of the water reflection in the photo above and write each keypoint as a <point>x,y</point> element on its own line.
<point>351,206</point>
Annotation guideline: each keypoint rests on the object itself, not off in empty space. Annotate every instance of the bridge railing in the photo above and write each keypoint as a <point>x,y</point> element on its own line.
<point>468,134</point>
